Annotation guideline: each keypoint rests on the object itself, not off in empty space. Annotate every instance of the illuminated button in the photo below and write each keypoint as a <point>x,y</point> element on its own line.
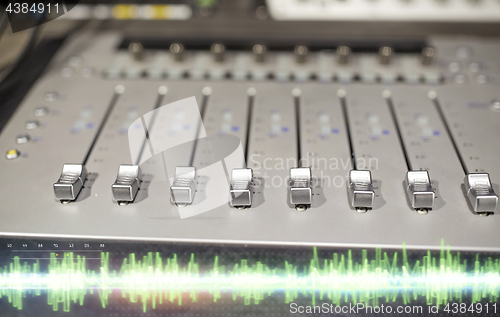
<point>240,74</point>
<point>67,72</point>
<point>373,119</point>
<point>241,191</point>
<point>495,105</point>
<point>274,129</point>
<point>259,74</point>
<point>423,120</point>
<point>32,124</point>
<point>227,116</point>
<point>325,76</point>
<point>197,73</point>
<point>113,73</point>
<point>175,73</point>
<point>345,77</point>
<point>474,67</point>
<point>464,52</point>
<point>217,74</point>
<point>460,79</point>
<point>126,184</point>
<point>482,79</point>
<point>300,187</point>
<point>87,72</point>
<point>133,73</point>
<point>419,190</point>
<point>454,67</point>
<point>426,133</point>
<point>368,77</point>
<point>41,111</point>
<point>361,193</point>
<point>50,96</point>
<point>184,185</point>
<point>481,195</point>
<point>388,78</point>
<point>22,138</point>
<point>12,154</point>
<point>75,61</point>
<point>70,182</point>
<point>154,73</point>
<point>412,78</point>
<point>301,76</point>
<point>432,78</point>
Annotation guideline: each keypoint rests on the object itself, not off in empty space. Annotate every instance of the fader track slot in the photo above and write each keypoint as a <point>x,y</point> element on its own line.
<point>417,182</point>
<point>73,176</point>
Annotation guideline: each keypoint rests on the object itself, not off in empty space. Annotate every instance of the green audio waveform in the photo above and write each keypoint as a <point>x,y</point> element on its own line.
<point>154,280</point>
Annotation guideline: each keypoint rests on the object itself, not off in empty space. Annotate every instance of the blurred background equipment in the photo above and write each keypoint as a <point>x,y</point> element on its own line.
<point>364,124</point>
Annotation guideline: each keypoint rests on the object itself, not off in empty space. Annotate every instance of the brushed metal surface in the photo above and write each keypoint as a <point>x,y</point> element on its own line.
<point>29,208</point>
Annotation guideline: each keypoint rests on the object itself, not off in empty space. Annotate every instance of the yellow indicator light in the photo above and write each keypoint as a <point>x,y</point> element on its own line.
<point>125,12</point>
<point>156,12</point>
<point>12,154</point>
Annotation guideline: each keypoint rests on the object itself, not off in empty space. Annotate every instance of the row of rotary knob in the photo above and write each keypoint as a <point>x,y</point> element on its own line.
<point>344,53</point>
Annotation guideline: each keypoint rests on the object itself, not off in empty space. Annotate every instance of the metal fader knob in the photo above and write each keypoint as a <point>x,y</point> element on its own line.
<point>419,191</point>
<point>361,193</point>
<point>70,183</point>
<point>184,186</point>
<point>481,195</point>
<point>300,187</point>
<point>241,190</point>
<point>127,184</point>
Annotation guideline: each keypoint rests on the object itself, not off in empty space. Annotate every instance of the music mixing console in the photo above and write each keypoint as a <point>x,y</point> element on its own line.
<point>390,139</point>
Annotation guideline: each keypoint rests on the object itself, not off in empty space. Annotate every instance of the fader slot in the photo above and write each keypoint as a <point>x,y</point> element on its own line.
<point>360,184</point>
<point>73,176</point>
<point>376,145</point>
<point>272,149</point>
<point>129,177</point>
<point>324,144</point>
<point>300,190</point>
<point>241,192</point>
<point>417,182</point>
<point>183,186</point>
<point>173,130</point>
<point>426,143</point>
<point>68,109</point>
<point>221,153</point>
<point>163,128</point>
<point>477,183</point>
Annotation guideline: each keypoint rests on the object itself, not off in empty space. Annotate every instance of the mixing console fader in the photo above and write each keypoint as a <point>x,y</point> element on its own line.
<point>317,144</point>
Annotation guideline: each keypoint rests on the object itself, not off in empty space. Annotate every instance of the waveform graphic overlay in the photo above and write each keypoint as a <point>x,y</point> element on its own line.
<point>154,280</point>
